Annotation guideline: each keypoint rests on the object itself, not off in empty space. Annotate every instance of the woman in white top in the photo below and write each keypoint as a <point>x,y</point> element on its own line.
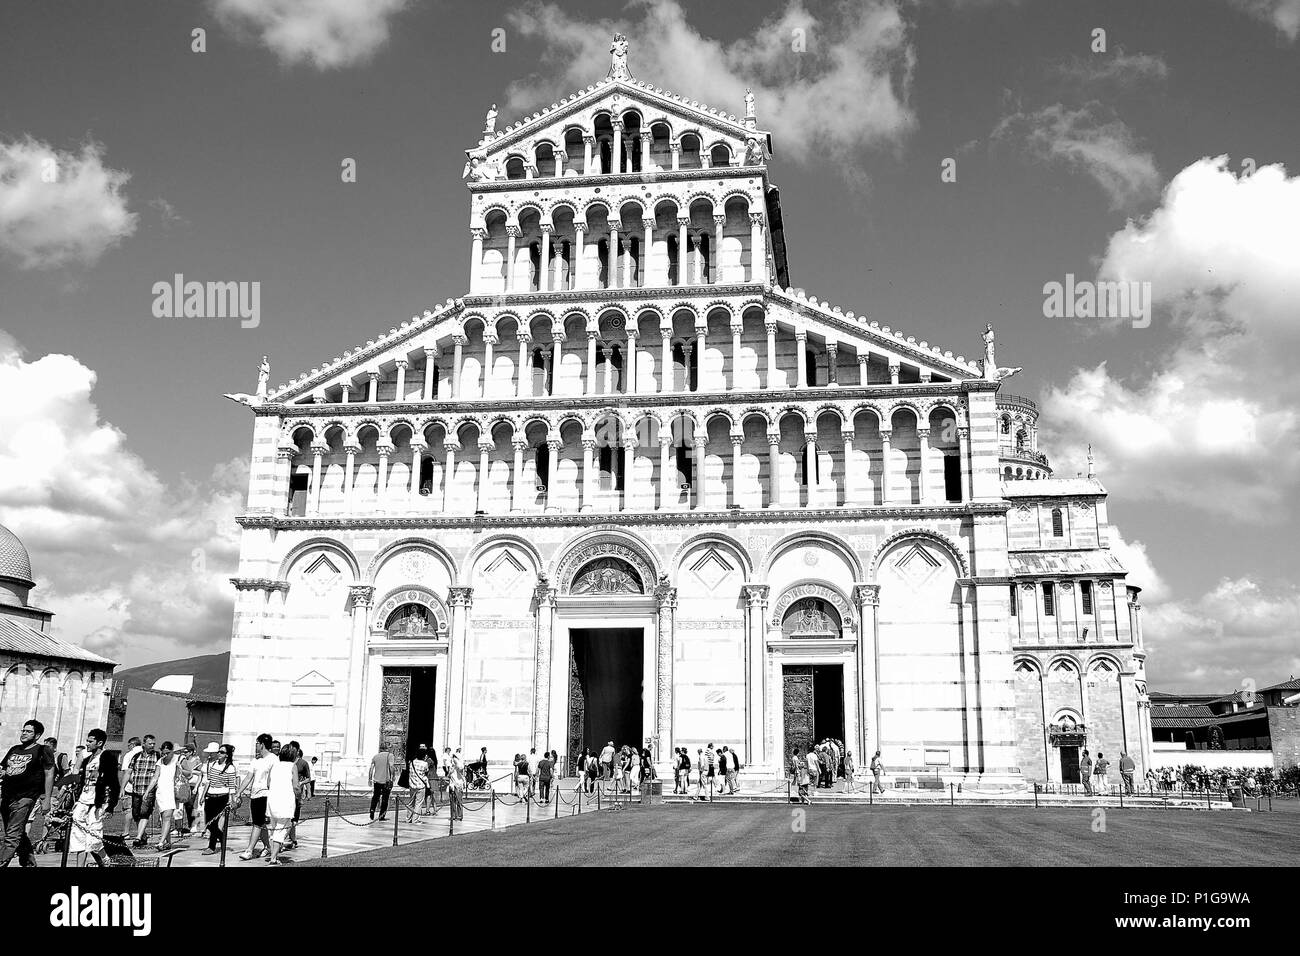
<point>163,786</point>
<point>280,803</point>
<point>418,777</point>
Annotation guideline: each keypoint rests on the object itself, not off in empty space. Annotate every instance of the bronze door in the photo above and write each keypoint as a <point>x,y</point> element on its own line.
<point>395,710</point>
<point>577,712</point>
<point>797,707</point>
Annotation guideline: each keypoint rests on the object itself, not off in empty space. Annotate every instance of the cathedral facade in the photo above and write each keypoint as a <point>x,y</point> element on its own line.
<point>634,486</point>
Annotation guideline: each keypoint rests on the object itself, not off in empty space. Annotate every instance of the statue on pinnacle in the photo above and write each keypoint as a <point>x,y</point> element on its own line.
<point>618,59</point>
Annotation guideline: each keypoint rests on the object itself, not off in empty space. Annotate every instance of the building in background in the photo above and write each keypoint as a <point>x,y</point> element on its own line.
<point>62,685</point>
<point>635,486</point>
<point>183,701</point>
<point>1247,728</point>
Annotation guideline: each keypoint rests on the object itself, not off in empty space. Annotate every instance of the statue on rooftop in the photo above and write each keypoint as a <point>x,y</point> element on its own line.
<point>618,59</point>
<point>490,122</point>
<point>263,376</point>
<point>990,363</point>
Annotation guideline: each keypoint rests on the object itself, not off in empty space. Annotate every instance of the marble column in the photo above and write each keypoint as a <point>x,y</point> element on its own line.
<point>675,149</point>
<point>755,657</point>
<point>832,359</point>
<point>774,469</point>
<point>372,393</point>
<point>737,442</point>
<point>851,495</point>
<point>801,358</point>
<point>867,597</point>
<point>770,328</point>
<point>647,245</point>
<point>477,235</point>
<point>588,472</point>
<point>449,448</point>
<point>587,143</point>
<point>701,442</point>
<point>885,434</point>
<point>430,363</point>
<point>489,344</point>
<point>611,259</point>
<point>666,360</point>
<point>418,449</point>
<point>893,374</point>
<point>543,265</point>
<point>667,481</point>
<point>512,237</point>
<point>757,249</point>
<point>485,447</point>
<point>967,472</point>
<point>629,364</point>
<point>461,599</point>
<point>317,453</point>
<point>284,456</point>
<point>385,450</point>
<point>361,596</point>
<point>683,248</point>
<point>457,356</point>
<point>736,328</point>
<point>701,333</point>
<point>400,394</point>
<point>666,597</point>
<point>591,361</point>
<point>557,355</point>
<point>923,434</point>
<point>863,358</point>
<point>523,371</point>
<point>616,147</point>
<point>517,483</point>
<point>544,609</point>
<point>629,459</point>
<point>810,469</point>
<point>718,223</point>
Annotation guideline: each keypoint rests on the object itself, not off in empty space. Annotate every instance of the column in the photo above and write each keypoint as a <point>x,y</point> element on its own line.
<point>346,388</point>
<point>867,597</point>
<point>284,456</point>
<point>477,235</point>
<point>683,247</point>
<point>696,262</point>
<point>629,364</point>
<point>810,468</point>
<point>385,449</point>
<point>770,327</point>
<point>736,328</point>
<point>666,597</point>
<point>893,374</point>
<point>616,148</point>
<point>512,233</point>
<point>885,434</point>
<point>587,143</point>
<point>757,249</point>
<point>863,358</point>
<point>523,370</point>
<point>348,470</point>
<point>801,357</point>
<point>455,365</point>
<point>736,442</point>
<point>675,149</point>
<point>963,455</point>
<point>629,458</point>
<point>575,274</point>
<point>553,445</point>
<point>317,451</point>
<point>647,245</point>
<point>461,600</point>
<point>430,359</point>
<point>774,469</point>
<point>611,259</point>
<point>591,361</point>
<point>489,343</point>
<point>361,596</point>
<point>666,359</point>
<point>697,485</point>
<point>755,656</point>
<point>557,352</point>
<point>701,331</point>
<point>850,472</point>
<point>418,449</point>
<point>608,384</point>
<point>832,358</point>
<point>561,157</point>
<point>449,447</point>
<point>666,483</point>
<point>645,152</point>
<point>588,469</point>
<point>544,603</point>
<point>543,267</point>
<point>372,395</point>
<point>629,260</point>
<point>517,482</point>
<point>485,447</point>
<point>718,223</point>
<point>924,435</point>
<point>400,394</point>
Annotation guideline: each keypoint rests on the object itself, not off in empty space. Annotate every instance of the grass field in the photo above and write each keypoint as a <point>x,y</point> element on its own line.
<point>761,835</point>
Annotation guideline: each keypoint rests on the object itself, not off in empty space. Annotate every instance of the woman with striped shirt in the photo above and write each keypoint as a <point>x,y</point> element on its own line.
<point>220,782</point>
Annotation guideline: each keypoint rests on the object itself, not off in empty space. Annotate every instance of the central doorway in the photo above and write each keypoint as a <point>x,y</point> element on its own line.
<point>606,696</point>
<point>812,704</point>
<point>407,709</point>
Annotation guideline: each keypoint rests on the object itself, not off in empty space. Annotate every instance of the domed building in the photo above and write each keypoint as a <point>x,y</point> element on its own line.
<point>64,686</point>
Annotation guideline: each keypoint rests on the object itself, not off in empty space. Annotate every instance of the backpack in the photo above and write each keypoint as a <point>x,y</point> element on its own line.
<point>405,779</point>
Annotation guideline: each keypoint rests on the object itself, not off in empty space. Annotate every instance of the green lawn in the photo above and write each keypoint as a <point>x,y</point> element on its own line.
<point>761,835</point>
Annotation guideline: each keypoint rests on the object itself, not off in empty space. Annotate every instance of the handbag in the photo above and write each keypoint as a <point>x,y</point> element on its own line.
<point>404,780</point>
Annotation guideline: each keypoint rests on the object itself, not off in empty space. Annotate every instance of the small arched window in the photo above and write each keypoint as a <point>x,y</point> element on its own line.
<point>1085,595</point>
<point>1049,599</point>
<point>1058,523</point>
<point>1006,424</point>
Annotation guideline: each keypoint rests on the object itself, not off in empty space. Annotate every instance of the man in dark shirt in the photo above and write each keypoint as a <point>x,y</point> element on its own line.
<point>28,777</point>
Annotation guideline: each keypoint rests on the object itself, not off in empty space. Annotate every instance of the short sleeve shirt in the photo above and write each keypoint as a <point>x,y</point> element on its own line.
<point>24,770</point>
<point>262,775</point>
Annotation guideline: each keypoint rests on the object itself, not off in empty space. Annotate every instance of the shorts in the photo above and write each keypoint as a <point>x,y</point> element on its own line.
<point>87,832</point>
<point>258,807</point>
<point>142,806</point>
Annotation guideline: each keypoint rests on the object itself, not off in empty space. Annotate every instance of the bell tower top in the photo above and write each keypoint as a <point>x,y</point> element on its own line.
<point>618,59</point>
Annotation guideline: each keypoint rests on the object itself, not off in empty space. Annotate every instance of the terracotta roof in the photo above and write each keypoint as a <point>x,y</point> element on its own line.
<point>1038,563</point>
<point>17,638</point>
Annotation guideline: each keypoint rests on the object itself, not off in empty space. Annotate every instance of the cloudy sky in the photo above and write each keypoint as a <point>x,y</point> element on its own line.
<point>1163,149</point>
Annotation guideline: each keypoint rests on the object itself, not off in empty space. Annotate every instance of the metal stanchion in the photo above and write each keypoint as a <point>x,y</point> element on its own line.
<point>952,798</point>
<point>397,813</point>
<point>598,789</point>
<point>1035,796</point>
<point>325,832</point>
<point>67,841</point>
<point>225,832</point>
<point>494,811</point>
<point>557,803</point>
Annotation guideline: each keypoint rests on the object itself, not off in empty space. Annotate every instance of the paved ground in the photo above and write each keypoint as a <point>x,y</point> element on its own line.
<point>762,835</point>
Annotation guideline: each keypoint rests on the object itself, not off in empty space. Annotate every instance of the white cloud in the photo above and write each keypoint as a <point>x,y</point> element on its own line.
<point>1240,629</point>
<point>58,207</point>
<point>1282,14</point>
<point>1141,572</point>
<point>132,567</point>
<point>1117,69</point>
<point>847,91</point>
<point>1213,425</point>
<point>1080,139</point>
<point>325,33</point>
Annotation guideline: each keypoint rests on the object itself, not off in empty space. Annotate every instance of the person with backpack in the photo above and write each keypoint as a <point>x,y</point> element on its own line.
<point>417,779</point>
<point>98,789</point>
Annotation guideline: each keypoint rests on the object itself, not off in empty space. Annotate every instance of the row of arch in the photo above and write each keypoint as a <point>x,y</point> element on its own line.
<point>1069,667</point>
<point>67,701</point>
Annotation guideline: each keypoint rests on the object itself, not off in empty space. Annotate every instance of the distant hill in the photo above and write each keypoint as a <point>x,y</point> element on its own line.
<point>209,670</point>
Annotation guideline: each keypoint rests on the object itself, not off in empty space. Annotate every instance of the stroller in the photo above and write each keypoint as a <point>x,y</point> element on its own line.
<point>476,775</point>
<point>59,820</point>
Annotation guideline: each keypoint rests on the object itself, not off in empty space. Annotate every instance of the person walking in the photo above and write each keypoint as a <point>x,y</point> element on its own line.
<point>133,747</point>
<point>723,765</point>
<point>702,774</point>
<point>544,769</point>
<point>161,792</point>
<point>1126,770</point>
<point>381,780</point>
<point>280,804</point>
<point>849,769</point>
<point>877,774</point>
<point>734,768</point>
<point>98,789</point>
<point>455,784</point>
<point>418,774</point>
<point>532,772</point>
<point>220,782</point>
<point>1085,773</point>
<point>813,760</point>
<point>28,779</point>
<point>799,774</point>
<point>607,761</point>
<point>258,785</point>
<point>139,774</point>
<point>1102,773</point>
<point>301,788</point>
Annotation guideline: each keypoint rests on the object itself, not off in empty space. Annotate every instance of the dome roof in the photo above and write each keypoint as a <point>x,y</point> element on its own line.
<point>14,562</point>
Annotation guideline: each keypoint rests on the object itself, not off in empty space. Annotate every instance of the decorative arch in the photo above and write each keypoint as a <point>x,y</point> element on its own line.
<point>606,544</point>
<point>716,538</point>
<point>816,591</point>
<point>801,537</point>
<point>389,615</point>
<point>522,543</point>
<point>323,544</point>
<point>935,537</point>
<point>415,544</point>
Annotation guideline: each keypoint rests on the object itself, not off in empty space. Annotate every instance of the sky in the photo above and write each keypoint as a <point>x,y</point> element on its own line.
<point>1140,140</point>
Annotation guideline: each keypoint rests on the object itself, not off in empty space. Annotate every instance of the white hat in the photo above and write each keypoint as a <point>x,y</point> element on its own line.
<point>211,748</point>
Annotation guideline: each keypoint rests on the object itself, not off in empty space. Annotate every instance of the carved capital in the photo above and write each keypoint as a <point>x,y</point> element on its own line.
<point>525,338</point>
<point>401,363</point>
<point>683,221</point>
<point>737,440</point>
<point>286,452</point>
<point>514,231</point>
<point>460,597</point>
<point>755,594</point>
<point>756,219</point>
<point>361,594</point>
<point>547,227</point>
<point>385,448</point>
<point>419,447</point>
<point>450,445</point>
<point>478,232</point>
<point>319,450</point>
<point>719,221</point>
<point>866,594</point>
<point>647,223</point>
<point>666,595</point>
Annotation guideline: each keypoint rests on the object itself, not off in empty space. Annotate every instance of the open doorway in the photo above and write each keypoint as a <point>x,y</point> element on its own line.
<point>605,688</point>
